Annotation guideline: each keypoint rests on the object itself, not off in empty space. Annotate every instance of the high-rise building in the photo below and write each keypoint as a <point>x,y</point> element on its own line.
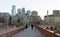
<point>13,13</point>
<point>23,11</point>
<point>13,10</point>
<point>29,13</point>
<point>34,13</point>
<point>56,12</point>
<point>19,14</point>
<point>19,11</point>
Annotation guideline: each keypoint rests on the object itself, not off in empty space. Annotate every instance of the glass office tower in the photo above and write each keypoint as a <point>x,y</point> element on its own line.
<point>29,13</point>
<point>13,10</point>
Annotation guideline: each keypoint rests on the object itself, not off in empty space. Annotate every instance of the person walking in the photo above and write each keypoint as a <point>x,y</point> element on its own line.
<point>26,26</point>
<point>32,27</point>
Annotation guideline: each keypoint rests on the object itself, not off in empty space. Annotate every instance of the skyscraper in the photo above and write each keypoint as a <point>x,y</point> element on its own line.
<point>23,16</point>
<point>23,11</point>
<point>29,13</point>
<point>13,10</point>
<point>19,11</point>
<point>13,13</point>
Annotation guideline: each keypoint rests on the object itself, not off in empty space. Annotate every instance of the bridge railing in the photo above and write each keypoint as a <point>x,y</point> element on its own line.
<point>45,33</point>
<point>12,33</point>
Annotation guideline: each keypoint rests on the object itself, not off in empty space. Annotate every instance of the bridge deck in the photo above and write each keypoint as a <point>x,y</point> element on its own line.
<point>28,33</point>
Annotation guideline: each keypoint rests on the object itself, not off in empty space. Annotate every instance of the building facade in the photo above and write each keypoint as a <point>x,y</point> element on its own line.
<point>34,18</point>
<point>34,13</point>
<point>13,10</point>
<point>29,13</point>
<point>56,12</point>
<point>4,18</point>
<point>54,18</point>
<point>19,13</point>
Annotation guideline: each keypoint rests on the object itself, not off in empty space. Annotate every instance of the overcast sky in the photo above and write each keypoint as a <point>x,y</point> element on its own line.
<point>39,5</point>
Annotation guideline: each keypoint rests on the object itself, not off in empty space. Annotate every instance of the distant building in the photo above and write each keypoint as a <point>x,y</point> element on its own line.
<point>15,20</point>
<point>13,10</point>
<point>56,12</point>
<point>19,13</point>
<point>34,18</point>
<point>23,16</point>
<point>23,11</point>
<point>34,13</point>
<point>29,13</point>
<point>54,18</point>
<point>4,18</point>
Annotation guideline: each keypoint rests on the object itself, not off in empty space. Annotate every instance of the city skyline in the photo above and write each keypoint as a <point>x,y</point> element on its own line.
<point>40,6</point>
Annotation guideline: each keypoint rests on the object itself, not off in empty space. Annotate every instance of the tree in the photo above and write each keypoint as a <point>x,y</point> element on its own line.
<point>18,20</point>
<point>10,18</point>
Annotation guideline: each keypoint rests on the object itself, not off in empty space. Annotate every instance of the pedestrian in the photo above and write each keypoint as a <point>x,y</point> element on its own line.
<point>26,26</point>
<point>32,27</point>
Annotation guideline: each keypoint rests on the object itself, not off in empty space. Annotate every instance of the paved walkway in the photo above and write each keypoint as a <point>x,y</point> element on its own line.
<point>28,33</point>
